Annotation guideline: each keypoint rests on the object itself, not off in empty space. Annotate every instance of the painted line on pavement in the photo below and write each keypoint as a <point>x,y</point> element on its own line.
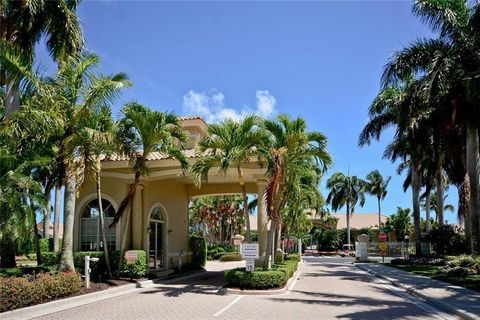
<point>228,306</point>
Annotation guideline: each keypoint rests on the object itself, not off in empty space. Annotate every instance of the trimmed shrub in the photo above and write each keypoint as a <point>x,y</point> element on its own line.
<point>198,246</point>
<point>50,258</point>
<point>294,256</point>
<point>231,257</point>
<point>19,292</point>
<point>214,252</point>
<point>44,245</point>
<point>255,280</point>
<point>137,269</point>
<point>418,262</point>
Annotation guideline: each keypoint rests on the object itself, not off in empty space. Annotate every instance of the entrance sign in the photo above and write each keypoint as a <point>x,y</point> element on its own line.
<point>131,256</point>
<point>250,265</point>
<point>250,251</point>
<point>382,236</point>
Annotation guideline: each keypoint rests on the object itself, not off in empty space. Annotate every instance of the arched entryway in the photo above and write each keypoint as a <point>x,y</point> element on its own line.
<point>157,229</point>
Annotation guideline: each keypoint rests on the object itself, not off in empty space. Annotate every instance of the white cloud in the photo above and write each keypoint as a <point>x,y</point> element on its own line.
<point>211,105</point>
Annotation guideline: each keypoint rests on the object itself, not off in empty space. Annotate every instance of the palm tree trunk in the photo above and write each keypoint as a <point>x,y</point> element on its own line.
<point>348,224</point>
<point>102,224</point>
<point>440,195</point>
<point>428,197</point>
<point>66,259</point>
<point>36,241</point>
<point>248,238</point>
<point>416,206</point>
<point>473,169</point>
<point>463,212</point>
<point>46,216</point>
<point>56,217</point>
<point>270,241</point>
<point>12,100</point>
<point>379,214</point>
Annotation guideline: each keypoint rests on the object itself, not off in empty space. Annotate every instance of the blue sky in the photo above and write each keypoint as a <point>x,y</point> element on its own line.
<point>318,60</point>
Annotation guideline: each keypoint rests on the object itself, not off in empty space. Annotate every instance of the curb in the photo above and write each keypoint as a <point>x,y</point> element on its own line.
<point>268,292</point>
<point>59,305</point>
<point>413,291</point>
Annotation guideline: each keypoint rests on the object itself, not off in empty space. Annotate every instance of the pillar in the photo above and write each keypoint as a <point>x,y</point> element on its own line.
<point>137,219</point>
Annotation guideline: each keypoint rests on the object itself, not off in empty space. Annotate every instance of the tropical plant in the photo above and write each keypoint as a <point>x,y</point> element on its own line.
<point>23,23</point>
<point>142,131</point>
<point>297,160</point>
<point>434,206</point>
<point>400,222</point>
<point>230,144</point>
<point>346,191</point>
<point>377,186</point>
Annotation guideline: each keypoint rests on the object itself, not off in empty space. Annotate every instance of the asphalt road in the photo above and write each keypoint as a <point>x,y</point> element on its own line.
<point>327,288</point>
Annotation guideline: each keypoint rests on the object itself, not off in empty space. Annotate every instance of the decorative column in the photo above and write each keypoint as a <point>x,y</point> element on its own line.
<point>262,219</point>
<point>137,219</point>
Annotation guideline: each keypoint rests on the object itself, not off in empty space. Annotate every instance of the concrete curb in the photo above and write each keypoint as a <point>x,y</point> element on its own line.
<point>267,292</point>
<point>412,290</point>
<point>77,301</point>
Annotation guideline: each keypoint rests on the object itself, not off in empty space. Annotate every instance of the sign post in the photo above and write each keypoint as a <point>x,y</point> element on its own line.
<point>250,253</point>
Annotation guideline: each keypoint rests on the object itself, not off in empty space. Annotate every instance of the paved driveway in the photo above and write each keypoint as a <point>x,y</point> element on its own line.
<point>327,288</point>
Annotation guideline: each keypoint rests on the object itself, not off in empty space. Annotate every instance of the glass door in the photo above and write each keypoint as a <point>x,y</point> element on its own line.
<point>155,252</point>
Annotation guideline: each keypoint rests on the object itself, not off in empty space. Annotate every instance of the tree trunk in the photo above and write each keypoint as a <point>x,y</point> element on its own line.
<point>102,224</point>
<point>12,100</point>
<point>248,238</point>
<point>46,216</point>
<point>427,209</point>
<point>416,206</point>
<point>473,169</point>
<point>379,214</point>
<point>66,259</point>
<point>36,241</point>
<point>56,217</point>
<point>7,251</point>
<point>463,212</point>
<point>270,240</point>
<point>440,196</point>
<point>348,225</point>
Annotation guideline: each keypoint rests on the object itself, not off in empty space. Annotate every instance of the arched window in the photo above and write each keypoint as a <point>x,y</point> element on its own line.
<point>91,230</point>
<point>156,255</point>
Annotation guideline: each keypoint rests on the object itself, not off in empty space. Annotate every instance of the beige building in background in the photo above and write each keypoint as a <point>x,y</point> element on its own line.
<point>160,210</point>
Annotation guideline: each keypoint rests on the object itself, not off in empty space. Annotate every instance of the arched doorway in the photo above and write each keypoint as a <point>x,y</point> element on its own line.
<point>156,246</point>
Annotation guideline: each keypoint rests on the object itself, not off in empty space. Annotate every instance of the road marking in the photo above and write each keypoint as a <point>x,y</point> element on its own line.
<point>294,282</point>
<point>228,306</point>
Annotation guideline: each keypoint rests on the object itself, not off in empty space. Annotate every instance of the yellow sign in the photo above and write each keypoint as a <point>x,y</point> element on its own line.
<point>383,246</point>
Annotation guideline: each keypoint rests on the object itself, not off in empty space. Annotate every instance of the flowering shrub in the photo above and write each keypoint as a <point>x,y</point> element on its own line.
<point>19,292</point>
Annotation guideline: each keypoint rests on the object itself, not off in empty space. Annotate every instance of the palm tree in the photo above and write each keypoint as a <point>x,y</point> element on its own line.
<point>434,205</point>
<point>23,23</point>
<point>298,158</point>
<point>142,131</point>
<point>346,191</point>
<point>377,186</point>
<point>400,222</point>
<point>230,144</point>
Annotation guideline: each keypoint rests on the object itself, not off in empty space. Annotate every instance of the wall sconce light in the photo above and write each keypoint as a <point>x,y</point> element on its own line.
<point>169,231</point>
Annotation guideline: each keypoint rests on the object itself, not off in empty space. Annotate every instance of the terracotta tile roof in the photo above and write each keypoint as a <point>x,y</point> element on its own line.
<point>359,220</point>
<point>50,229</point>
<point>192,118</point>
<point>189,153</point>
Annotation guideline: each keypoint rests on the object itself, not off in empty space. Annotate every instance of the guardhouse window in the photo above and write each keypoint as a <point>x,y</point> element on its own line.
<point>90,228</point>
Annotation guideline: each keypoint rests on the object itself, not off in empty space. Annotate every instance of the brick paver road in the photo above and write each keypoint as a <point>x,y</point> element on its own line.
<point>325,289</point>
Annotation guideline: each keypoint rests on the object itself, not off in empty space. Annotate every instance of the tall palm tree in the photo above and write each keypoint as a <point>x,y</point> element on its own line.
<point>22,25</point>
<point>346,191</point>
<point>230,144</point>
<point>400,222</point>
<point>142,131</point>
<point>297,160</point>
<point>377,186</point>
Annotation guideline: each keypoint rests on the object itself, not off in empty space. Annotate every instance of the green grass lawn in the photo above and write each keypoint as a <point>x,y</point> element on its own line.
<point>470,281</point>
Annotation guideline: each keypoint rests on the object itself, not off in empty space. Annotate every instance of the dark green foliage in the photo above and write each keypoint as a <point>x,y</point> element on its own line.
<point>294,257</point>
<point>44,245</point>
<point>447,240</point>
<point>198,246</point>
<point>259,279</point>
<point>231,257</point>
<point>50,258</point>
<point>326,239</point>
<point>418,262</point>
<point>456,272</point>
<point>214,252</point>
<point>138,269</point>
<point>19,292</point>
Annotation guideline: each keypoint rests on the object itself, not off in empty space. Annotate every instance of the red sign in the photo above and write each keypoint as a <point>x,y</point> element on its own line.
<point>383,236</point>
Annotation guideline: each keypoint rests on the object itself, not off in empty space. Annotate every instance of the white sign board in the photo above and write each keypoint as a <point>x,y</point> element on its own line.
<point>250,251</point>
<point>131,257</point>
<point>250,266</point>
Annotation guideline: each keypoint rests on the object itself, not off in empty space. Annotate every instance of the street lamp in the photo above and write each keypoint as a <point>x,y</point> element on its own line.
<point>407,238</point>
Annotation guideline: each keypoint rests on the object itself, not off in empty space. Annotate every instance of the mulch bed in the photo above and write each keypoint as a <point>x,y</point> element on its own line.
<point>99,286</point>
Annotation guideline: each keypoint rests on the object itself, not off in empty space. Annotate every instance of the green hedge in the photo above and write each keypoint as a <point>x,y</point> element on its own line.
<point>294,256</point>
<point>138,269</point>
<point>19,292</point>
<point>259,279</point>
<point>44,245</point>
<point>198,246</point>
<point>214,252</point>
<point>231,257</point>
